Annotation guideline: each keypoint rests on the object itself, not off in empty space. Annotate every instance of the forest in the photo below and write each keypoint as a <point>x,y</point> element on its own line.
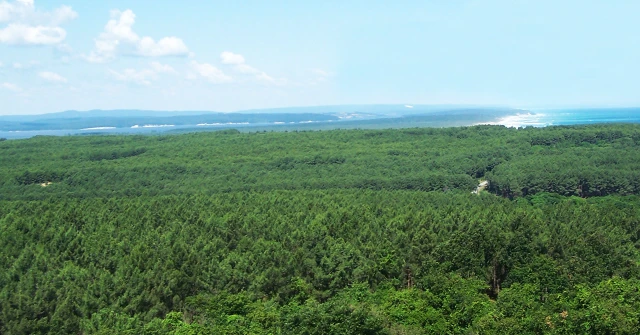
<point>323,232</point>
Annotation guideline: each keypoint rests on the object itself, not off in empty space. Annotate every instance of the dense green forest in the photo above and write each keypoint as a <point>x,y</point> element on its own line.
<point>323,232</point>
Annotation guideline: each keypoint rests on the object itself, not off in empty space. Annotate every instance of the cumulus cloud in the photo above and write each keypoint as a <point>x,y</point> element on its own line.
<point>27,25</point>
<point>239,64</point>
<point>24,34</point>
<point>168,46</point>
<point>209,72</point>
<point>118,36</point>
<point>52,77</point>
<point>11,87</point>
<point>26,11</point>
<point>228,57</point>
<point>143,76</point>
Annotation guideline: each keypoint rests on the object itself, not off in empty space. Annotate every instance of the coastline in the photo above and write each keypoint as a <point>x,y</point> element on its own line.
<point>517,119</point>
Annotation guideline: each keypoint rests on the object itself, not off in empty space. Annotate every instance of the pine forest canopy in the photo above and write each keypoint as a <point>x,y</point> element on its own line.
<point>323,232</point>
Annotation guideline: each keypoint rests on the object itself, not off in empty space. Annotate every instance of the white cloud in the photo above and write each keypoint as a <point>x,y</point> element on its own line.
<point>210,72</point>
<point>239,64</point>
<point>11,87</point>
<point>24,34</point>
<point>17,9</point>
<point>1,64</point>
<point>162,68</point>
<point>52,77</point>
<point>63,14</point>
<point>27,25</point>
<point>26,66</point>
<point>118,36</point>
<point>265,77</point>
<point>228,57</point>
<point>168,46</point>
<point>120,26</point>
<point>247,69</point>
<point>144,76</point>
<point>25,11</point>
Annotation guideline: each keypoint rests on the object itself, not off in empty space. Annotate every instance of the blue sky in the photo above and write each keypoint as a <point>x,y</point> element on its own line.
<point>60,55</point>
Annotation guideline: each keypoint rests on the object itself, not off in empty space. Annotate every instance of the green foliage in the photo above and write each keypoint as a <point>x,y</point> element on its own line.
<point>333,232</point>
<point>108,155</point>
<point>40,177</point>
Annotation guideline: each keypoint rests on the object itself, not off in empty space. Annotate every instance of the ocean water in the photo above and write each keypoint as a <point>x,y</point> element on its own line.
<point>522,118</point>
<point>563,117</point>
<point>135,130</point>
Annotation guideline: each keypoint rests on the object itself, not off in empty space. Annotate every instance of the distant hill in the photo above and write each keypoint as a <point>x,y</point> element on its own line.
<point>118,113</point>
<point>121,119</point>
<point>78,120</point>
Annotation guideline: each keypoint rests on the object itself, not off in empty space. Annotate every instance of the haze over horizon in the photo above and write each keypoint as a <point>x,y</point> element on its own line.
<point>61,55</point>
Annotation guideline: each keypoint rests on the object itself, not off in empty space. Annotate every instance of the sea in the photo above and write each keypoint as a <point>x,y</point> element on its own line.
<point>521,118</point>
<point>564,117</point>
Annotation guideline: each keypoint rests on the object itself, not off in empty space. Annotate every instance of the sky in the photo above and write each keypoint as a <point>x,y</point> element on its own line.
<point>58,55</point>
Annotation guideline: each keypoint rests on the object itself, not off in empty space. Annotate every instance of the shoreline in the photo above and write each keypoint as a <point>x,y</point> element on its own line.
<point>518,120</point>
